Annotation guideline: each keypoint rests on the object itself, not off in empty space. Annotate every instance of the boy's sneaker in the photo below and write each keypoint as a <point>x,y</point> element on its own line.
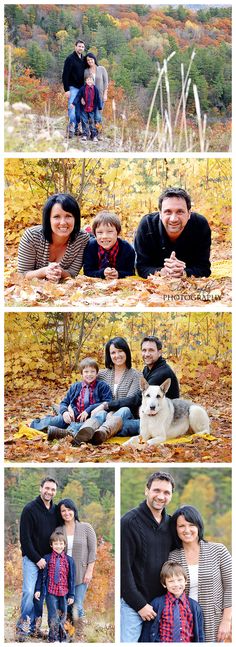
<point>84,138</point>
<point>95,139</point>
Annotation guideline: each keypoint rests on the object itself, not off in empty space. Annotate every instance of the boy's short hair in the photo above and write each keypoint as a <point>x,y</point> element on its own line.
<point>88,361</point>
<point>106,218</point>
<point>171,568</point>
<point>55,534</point>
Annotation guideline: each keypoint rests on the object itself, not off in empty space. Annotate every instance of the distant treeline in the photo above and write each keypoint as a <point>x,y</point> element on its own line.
<point>131,41</point>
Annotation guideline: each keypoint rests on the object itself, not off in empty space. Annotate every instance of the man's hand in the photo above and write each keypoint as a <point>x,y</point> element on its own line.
<point>173,267</point>
<point>147,612</point>
<point>111,273</point>
<point>41,563</point>
<point>97,409</point>
<point>37,595</point>
<point>67,94</point>
<point>82,416</point>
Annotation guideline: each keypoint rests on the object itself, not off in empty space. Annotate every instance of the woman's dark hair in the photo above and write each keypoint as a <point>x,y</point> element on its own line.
<point>121,343</point>
<point>69,204</point>
<point>190,514</point>
<point>90,55</point>
<point>68,503</point>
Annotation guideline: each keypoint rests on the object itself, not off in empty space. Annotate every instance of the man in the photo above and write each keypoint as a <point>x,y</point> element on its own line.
<point>73,79</point>
<point>38,521</point>
<point>145,545</point>
<point>174,242</point>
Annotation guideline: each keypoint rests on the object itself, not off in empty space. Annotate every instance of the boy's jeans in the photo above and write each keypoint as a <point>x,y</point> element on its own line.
<point>74,427</point>
<point>30,609</point>
<point>88,123</point>
<point>57,608</point>
<point>130,624</point>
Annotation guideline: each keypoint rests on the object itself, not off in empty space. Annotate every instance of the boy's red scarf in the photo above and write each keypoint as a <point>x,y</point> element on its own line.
<point>107,257</point>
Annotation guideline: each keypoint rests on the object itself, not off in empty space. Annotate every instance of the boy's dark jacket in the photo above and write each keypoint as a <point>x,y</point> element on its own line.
<point>150,630</point>
<point>81,95</point>
<point>102,393</point>
<point>42,578</point>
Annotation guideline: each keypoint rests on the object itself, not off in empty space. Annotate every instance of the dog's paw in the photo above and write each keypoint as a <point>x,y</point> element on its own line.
<point>155,441</point>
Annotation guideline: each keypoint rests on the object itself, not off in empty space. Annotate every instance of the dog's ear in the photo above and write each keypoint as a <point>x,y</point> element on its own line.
<point>143,383</point>
<point>165,385</point>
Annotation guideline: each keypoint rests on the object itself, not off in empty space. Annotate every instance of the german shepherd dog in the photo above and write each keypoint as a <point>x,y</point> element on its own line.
<point>162,418</point>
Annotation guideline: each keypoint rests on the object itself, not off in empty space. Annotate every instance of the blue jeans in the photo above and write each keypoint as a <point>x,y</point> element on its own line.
<point>88,123</point>
<point>30,608</point>
<point>131,427</point>
<point>58,421</point>
<point>71,110</point>
<point>80,591</point>
<point>57,608</point>
<point>130,624</point>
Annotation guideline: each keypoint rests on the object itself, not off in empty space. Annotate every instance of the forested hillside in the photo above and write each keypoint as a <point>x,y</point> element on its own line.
<point>132,42</point>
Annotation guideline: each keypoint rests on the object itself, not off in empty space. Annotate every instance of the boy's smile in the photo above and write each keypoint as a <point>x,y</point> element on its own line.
<point>175,584</point>
<point>89,374</point>
<point>106,236</point>
<point>58,545</point>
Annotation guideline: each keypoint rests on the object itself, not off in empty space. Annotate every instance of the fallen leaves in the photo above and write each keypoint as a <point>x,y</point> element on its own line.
<point>133,293</point>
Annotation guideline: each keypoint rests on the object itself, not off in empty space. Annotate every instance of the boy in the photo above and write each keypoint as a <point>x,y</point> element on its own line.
<point>77,406</point>
<point>179,618</point>
<point>86,102</point>
<point>107,256</point>
<point>58,578</point>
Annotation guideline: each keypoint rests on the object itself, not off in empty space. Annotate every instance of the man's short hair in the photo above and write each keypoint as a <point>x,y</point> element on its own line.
<point>106,218</point>
<point>156,341</point>
<point>175,192</point>
<point>171,568</point>
<point>161,476</point>
<point>50,479</point>
<point>79,41</point>
<point>88,361</point>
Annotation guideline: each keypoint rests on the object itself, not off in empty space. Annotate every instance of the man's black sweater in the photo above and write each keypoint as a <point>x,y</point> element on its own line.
<point>159,372</point>
<point>36,525</point>
<point>73,72</point>
<point>145,546</point>
<point>153,245</point>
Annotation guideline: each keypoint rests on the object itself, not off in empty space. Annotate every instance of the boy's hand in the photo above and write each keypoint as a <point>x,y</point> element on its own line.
<point>83,102</point>
<point>111,273</point>
<point>71,412</point>
<point>37,595</point>
<point>70,601</point>
<point>66,417</point>
<point>83,416</point>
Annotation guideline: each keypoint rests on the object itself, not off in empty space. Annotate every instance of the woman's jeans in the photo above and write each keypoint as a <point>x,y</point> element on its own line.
<point>78,609</point>
<point>57,609</point>
<point>31,609</point>
<point>130,425</point>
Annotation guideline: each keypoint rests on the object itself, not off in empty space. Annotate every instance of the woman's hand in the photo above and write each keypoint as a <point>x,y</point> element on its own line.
<point>224,630</point>
<point>82,416</point>
<point>53,272</point>
<point>88,574</point>
<point>100,407</point>
<point>105,95</point>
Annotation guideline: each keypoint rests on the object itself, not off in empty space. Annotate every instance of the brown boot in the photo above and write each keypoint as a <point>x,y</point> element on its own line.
<point>57,432</point>
<point>86,431</point>
<point>109,428</point>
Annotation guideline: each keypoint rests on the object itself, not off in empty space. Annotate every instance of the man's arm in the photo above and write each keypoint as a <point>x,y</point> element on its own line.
<point>201,265</point>
<point>26,534</point>
<point>129,591</point>
<point>143,244</point>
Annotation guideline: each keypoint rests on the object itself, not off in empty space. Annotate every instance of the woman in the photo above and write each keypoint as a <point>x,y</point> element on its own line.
<point>100,77</point>
<point>55,249</point>
<point>208,566</point>
<point>124,381</point>
<point>81,545</point>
